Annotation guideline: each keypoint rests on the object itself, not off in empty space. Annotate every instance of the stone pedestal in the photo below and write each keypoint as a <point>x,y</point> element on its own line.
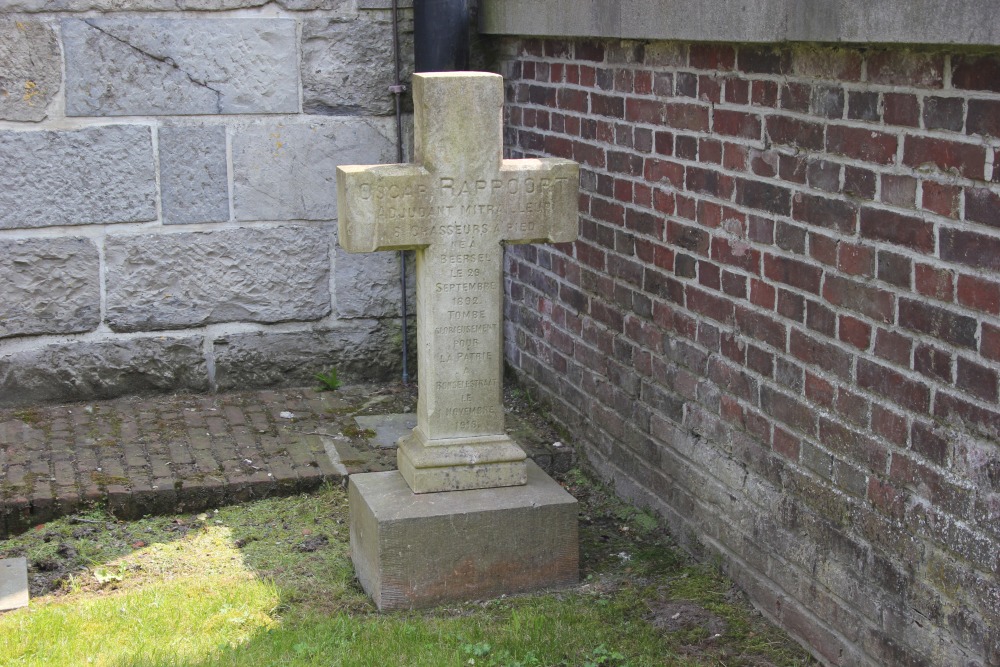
<point>420,550</point>
<point>460,463</point>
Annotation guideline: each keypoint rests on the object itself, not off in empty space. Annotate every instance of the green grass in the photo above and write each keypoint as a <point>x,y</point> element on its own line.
<point>271,583</point>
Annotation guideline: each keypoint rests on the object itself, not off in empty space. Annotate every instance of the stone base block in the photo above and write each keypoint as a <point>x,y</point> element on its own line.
<point>419,550</point>
<point>460,464</point>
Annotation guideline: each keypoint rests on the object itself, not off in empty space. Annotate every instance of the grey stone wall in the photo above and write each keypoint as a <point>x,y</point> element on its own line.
<point>167,195</point>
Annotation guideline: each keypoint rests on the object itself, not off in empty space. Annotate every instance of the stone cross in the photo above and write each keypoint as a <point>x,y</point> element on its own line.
<point>456,206</point>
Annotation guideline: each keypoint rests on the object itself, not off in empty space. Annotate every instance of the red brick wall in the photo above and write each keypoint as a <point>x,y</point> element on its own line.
<point>779,326</point>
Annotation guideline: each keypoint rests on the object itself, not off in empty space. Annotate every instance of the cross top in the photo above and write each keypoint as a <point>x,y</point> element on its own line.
<point>464,135</point>
<point>456,206</point>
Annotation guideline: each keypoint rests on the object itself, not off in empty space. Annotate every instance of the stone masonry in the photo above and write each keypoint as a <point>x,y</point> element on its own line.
<point>167,194</point>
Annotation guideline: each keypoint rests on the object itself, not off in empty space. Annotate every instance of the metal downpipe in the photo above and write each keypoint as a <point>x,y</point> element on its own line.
<point>441,44</point>
<point>397,90</point>
<point>440,35</point>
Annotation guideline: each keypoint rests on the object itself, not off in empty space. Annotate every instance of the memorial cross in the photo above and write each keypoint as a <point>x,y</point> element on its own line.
<point>456,206</point>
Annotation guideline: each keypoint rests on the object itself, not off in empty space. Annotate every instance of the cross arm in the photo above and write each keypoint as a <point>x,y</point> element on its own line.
<point>380,207</point>
<point>544,206</point>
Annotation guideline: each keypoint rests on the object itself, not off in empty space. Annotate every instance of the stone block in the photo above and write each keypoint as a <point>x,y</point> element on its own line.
<point>412,551</point>
<point>51,286</point>
<point>366,286</point>
<point>347,67</point>
<point>31,75</point>
<point>172,5</point>
<point>388,429</point>
<point>153,66</point>
<point>287,171</point>
<point>337,7</point>
<point>845,21</point>
<point>193,174</point>
<point>172,281</point>
<point>457,464</point>
<point>383,4</point>
<point>97,175</point>
<point>366,350</point>
<point>85,370</point>
<point>13,583</point>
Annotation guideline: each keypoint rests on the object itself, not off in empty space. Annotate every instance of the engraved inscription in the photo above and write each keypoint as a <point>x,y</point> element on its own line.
<point>466,329</point>
<point>467,384</point>
<point>453,288</point>
<point>391,191</point>
<point>466,315</point>
<point>445,208</point>
<point>511,186</point>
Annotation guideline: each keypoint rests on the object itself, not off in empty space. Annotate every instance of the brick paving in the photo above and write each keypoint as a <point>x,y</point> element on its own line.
<point>189,452</point>
<point>163,454</point>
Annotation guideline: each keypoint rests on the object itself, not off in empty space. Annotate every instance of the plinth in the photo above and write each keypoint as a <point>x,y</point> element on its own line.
<point>419,550</point>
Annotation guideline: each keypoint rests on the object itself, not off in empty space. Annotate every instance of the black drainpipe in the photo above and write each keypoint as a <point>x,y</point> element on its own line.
<point>441,35</point>
<point>397,90</point>
<point>441,44</point>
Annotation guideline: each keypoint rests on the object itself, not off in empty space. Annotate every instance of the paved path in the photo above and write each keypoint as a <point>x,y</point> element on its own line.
<point>183,452</point>
<point>159,455</point>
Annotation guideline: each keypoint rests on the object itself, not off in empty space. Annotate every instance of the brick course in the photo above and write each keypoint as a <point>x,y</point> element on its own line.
<point>780,325</point>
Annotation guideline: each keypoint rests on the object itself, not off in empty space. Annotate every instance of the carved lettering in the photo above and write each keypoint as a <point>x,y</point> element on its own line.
<point>466,384</point>
<point>392,191</point>
<point>466,329</point>
<point>512,185</point>
<point>471,411</point>
<point>451,288</point>
<point>466,315</point>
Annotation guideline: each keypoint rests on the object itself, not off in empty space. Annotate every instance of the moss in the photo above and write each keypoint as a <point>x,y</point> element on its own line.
<point>29,416</point>
<point>104,480</point>
<point>352,431</point>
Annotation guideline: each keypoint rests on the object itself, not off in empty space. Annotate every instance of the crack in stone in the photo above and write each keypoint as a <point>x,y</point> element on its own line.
<point>166,60</point>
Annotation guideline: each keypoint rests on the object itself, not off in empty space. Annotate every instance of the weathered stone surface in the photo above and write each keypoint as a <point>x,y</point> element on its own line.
<point>152,66</point>
<point>193,177</point>
<point>366,286</point>
<point>13,583</point>
<point>383,4</point>
<point>339,7</point>
<point>455,208</point>
<point>287,171</point>
<point>858,21</point>
<point>31,73</point>
<point>170,5</point>
<point>347,67</point>
<point>81,370</point>
<point>366,350</point>
<point>50,286</point>
<point>172,281</point>
<point>413,551</point>
<point>388,429</point>
<point>96,175</point>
